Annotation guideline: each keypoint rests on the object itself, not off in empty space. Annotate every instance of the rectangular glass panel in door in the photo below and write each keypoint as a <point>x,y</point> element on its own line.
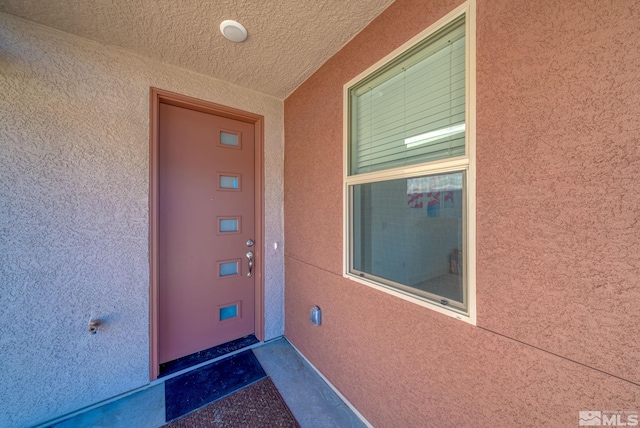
<point>227,139</point>
<point>228,225</point>
<point>228,182</point>
<point>228,312</point>
<point>229,268</point>
<point>408,234</point>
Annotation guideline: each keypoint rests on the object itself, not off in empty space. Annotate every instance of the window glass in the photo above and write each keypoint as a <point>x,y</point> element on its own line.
<point>229,225</point>
<point>409,233</point>
<point>228,182</point>
<point>413,110</point>
<point>227,139</point>
<point>228,268</point>
<point>228,312</point>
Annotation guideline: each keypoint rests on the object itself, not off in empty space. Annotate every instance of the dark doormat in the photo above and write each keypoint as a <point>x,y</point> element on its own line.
<point>208,354</point>
<point>194,389</point>
<point>256,406</point>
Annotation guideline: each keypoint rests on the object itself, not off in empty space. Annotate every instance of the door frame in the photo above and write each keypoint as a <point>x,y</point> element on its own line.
<point>156,97</point>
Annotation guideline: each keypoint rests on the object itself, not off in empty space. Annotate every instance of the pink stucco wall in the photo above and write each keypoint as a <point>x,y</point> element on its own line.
<point>558,236</point>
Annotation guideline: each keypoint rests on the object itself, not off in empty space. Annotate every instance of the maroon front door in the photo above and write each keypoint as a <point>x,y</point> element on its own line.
<point>206,230</point>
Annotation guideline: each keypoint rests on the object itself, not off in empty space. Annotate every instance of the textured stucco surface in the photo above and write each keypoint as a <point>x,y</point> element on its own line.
<point>74,165</point>
<point>557,236</point>
<point>288,39</point>
<point>558,173</point>
<point>402,367</point>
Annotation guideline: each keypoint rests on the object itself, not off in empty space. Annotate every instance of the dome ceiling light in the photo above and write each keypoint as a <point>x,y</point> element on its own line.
<point>233,31</point>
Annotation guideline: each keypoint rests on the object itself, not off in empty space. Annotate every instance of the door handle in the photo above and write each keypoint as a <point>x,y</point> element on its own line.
<point>250,257</point>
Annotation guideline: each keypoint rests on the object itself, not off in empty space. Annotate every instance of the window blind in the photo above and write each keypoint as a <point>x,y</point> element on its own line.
<point>412,111</point>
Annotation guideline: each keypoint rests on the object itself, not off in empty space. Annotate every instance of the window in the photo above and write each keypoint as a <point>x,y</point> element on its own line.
<point>410,170</point>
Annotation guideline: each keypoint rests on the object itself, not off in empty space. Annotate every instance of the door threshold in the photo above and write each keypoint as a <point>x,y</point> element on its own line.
<point>206,356</point>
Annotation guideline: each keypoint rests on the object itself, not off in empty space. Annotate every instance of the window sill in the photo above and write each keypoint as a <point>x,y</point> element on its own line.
<point>448,311</point>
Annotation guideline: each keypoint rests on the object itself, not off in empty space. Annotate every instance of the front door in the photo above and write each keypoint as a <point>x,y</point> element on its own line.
<point>206,230</point>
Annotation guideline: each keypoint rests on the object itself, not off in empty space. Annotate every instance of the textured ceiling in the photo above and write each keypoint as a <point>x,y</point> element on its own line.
<point>288,39</point>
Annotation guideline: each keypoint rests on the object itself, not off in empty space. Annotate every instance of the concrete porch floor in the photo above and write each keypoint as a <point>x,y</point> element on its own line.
<point>312,401</point>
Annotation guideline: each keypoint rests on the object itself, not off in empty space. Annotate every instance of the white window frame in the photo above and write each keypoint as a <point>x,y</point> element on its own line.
<point>462,163</point>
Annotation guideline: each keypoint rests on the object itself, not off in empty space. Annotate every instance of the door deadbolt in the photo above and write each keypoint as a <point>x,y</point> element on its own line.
<point>250,243</point>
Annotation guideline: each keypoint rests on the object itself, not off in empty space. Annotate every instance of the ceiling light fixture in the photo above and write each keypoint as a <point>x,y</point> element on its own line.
<point>233,31</point>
